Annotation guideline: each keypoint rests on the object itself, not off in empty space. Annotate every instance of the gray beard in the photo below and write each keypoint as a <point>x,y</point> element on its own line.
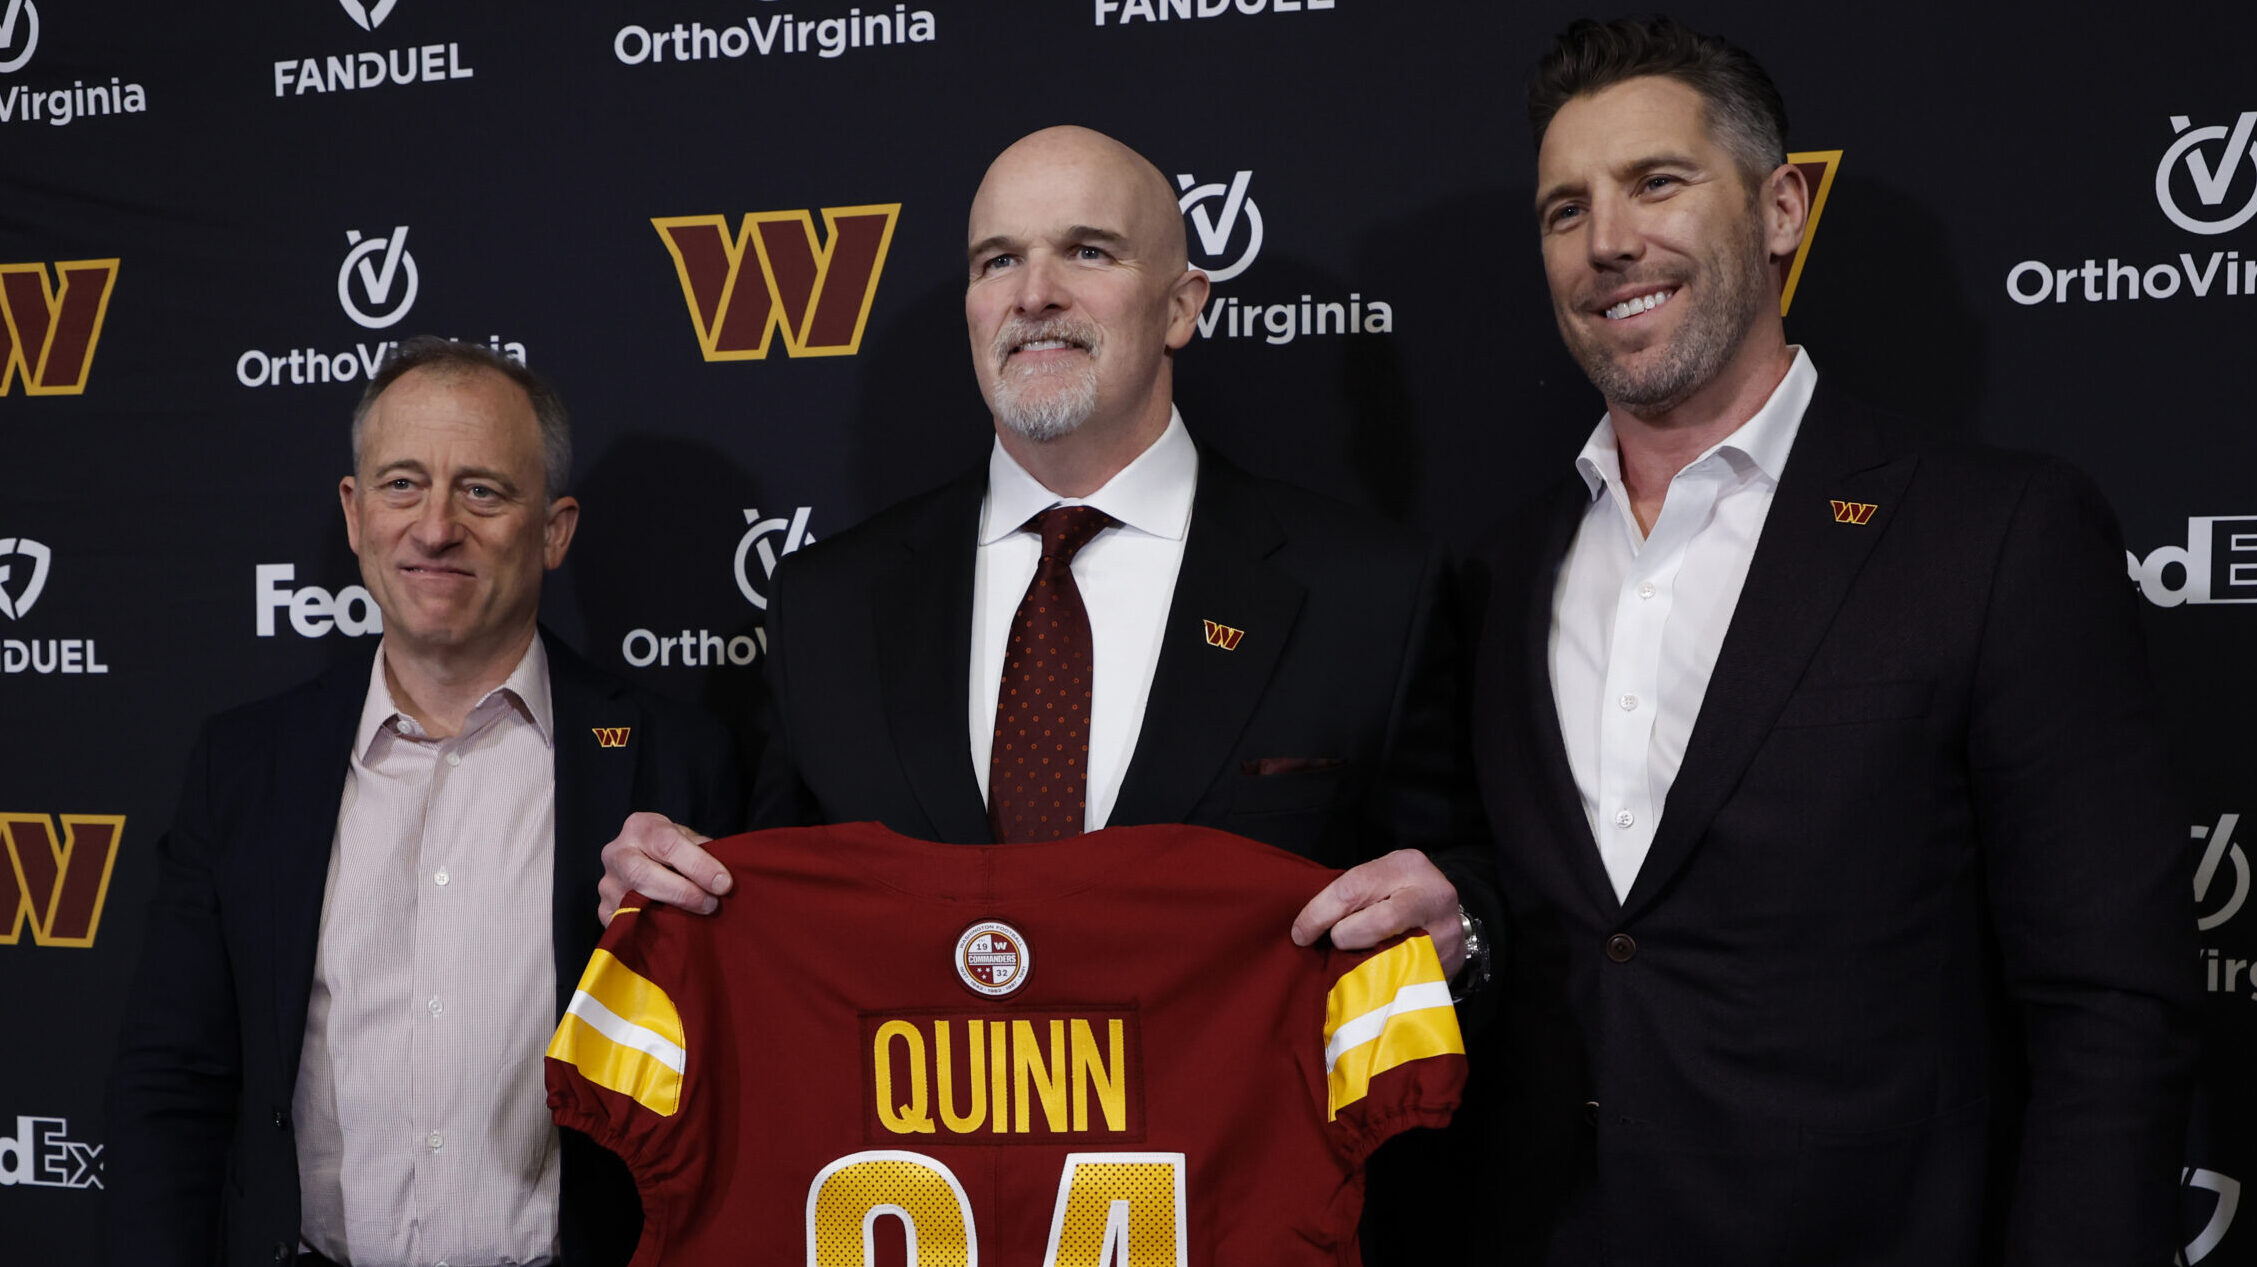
<point>1052,409</point>
<point>1707,339</point>
<point>1041,407</point>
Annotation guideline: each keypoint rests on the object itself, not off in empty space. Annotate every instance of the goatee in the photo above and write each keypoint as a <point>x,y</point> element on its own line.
<point>1043,405</point>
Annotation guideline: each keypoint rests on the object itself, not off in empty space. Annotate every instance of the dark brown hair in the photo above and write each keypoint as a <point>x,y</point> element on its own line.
<point>1745,111</point>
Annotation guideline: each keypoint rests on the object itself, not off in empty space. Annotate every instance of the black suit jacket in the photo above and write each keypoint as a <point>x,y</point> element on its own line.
<point>201,1162</point>
<point>1347,679</point>
<point>1906,977</point>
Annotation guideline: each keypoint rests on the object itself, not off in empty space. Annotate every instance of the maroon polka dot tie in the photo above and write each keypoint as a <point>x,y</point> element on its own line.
<point>1038,770</point>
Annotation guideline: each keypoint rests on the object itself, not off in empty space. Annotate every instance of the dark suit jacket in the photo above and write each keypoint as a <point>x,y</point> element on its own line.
<point>1348,670</point>
<point>1907,975</point>
<point>201,1162</point>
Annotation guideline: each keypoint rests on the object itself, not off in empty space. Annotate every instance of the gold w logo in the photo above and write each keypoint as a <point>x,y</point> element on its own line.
<point>1853,512</point>
<point>57,888</point>
<point>611,736</point>
<point>817,296</point>
<point>47,336</point>
<point>1223,635</point>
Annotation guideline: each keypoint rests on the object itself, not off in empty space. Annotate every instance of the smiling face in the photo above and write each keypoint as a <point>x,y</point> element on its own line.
<point>448,512</point>
<point>1077,287</point>
<point>1657,248</point>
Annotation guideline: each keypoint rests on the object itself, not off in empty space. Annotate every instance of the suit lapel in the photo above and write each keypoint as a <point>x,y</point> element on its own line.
<point>312,755</point>
<point>595,791</point>
<point>1571,828</point>
<point>924,641</point>
<point>1804,564</point>
<point>1202,694</point>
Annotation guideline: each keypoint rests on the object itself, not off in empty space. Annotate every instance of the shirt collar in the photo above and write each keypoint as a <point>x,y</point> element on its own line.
<point>1762,442</point>
<point>526,688</point>
<point>1151,495</point>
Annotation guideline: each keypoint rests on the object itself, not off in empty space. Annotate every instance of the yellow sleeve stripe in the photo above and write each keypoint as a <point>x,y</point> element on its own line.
<point>631,996</point>
<point>637,1051</point>
<point>1370,984</point>
<point>1392,1009</point>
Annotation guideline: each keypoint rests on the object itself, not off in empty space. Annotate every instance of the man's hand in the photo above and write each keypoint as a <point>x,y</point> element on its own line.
<point>1400,893</point>
<point>660,859</point>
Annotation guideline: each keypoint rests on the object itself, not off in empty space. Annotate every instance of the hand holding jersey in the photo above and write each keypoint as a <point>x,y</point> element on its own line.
<point>655,856</point>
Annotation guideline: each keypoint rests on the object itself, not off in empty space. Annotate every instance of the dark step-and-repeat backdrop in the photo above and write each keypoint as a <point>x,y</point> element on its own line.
<point>2036,224</point>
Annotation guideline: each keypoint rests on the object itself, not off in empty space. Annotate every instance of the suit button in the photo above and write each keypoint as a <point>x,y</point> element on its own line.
<point>1591,1113</point>
<point>283,1253</point>
<point>281,1120</point>
<point>1620,947</point>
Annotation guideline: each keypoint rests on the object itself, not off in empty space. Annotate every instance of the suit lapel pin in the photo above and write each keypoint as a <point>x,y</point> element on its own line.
<point>611,736</point>
<point>1223,636</point>
<point>1853,512</point>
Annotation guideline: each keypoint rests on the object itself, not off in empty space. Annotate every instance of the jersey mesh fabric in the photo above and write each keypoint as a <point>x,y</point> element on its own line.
<point>734,1060</point>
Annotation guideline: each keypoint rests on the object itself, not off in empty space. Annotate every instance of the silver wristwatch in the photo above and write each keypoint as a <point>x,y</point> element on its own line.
<point>1473,975</point>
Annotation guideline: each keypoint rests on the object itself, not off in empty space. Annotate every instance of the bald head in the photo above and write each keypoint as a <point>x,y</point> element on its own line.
<point>1077,295</point>
<point>1077,157</point>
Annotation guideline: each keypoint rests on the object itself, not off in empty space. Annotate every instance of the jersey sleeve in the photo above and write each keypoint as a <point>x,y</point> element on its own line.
<point>1393,1057</point>
<point>624,1067</point>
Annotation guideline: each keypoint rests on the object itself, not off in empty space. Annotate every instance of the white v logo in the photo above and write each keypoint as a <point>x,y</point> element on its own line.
<point>379,281</point>
<point>1214,233</point>
<point>2208,185</point>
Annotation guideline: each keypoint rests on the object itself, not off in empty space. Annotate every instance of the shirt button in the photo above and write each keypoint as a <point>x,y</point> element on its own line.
<point>435,1006</point>
<point>434,1139</point>
<point>1646,589</point>
<point>1621,947</point>
<point>1624,818</point>
<point>454,758</point>
<point>440,878</point>
<point>1629,702</point>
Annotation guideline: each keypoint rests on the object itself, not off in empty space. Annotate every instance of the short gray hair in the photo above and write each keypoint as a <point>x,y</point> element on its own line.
<point>447,357</point>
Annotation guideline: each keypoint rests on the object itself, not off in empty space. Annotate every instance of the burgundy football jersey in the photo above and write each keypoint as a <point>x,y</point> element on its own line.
<point>1096,1052</point>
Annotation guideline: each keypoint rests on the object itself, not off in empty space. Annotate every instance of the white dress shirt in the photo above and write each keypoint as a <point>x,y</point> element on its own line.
<point>1637,620</point>
<point>422,1122</point>
<point>1127,578</point>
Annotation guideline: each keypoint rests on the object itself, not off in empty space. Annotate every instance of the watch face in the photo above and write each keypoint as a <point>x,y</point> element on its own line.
<point>993,958</point>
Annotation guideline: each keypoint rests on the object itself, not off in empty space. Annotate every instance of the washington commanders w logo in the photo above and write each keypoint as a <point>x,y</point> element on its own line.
<point>1222,635</point>
<point>610,736</point>
<point>47,335</point>
<point>57,887</point>
<point>773,277</point>
<point>1854,512</point>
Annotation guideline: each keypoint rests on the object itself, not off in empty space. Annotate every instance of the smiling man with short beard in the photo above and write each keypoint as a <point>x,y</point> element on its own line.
<point>1722,291</point>
<point>1849,906</point>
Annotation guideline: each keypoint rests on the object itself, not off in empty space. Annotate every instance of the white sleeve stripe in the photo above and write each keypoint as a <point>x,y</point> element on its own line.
<point>623,1031</point>
<point>1356,1032</point>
